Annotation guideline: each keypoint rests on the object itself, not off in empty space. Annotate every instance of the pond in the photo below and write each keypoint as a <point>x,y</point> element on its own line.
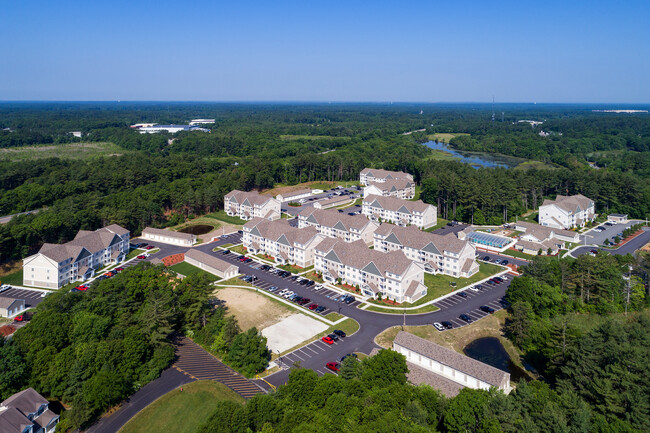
<point>490,351</point>
<point>199,229</point>
<point>477,159</point>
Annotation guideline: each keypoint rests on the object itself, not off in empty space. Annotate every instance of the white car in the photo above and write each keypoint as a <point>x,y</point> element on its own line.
<point>5,287</point>
<point>474,289</point>
<point>317,287</point>
<point>438,326</point>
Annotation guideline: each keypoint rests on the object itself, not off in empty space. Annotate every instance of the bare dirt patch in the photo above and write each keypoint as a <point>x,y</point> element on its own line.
<point>251,308</point>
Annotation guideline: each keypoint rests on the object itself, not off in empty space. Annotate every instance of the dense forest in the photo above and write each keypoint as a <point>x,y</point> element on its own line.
<point>93,349</point>
<point>161,180</point>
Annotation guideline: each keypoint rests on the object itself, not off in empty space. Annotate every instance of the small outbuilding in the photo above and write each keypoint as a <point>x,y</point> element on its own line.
<point>10,307</point>
<point>211,264</point>
<point>168,237</point>
<point>617,218</point>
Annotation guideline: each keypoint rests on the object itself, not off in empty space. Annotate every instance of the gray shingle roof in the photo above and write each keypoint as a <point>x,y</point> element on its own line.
<point>421,376</point>
<point>254,197</point>
<point>329,218</point>
<point>209,260</point>
<point>90,241</point>
<point>570,203</point>
<point>394,203</point>
<point>26,401</point>
<point>542,232</point>
<point>379,173</point>
<point>12,421</point>
<point>415,238</point>
<point>455,360</point>
<point>357,255</point>
<point>392,183</point>
<point>7,302</point>
<point>274,230</point>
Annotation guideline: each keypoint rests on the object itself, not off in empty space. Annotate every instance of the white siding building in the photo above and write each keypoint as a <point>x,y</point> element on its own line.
<point>334,224</point>
<point>369,175</point>
<point>286,244</point>
<point>211,264</point>
<point>27,412</point>
<point>168,237</point>
<point>400,212</point>
<point>56,265</point>
<point>438,254</point>
<point>294,195</point>
<point>566,212</point>
<point>249,205</point>
<point>536,237</point>
<point>10,307</point>
<point>390,274</point>
<point>447,364</point>
<point>398,188</point>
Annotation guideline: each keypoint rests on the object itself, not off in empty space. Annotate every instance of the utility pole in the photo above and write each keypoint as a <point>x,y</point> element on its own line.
<point>629,283</point>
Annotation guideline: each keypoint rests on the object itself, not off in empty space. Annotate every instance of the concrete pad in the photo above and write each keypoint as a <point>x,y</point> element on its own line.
<point>292,331</point>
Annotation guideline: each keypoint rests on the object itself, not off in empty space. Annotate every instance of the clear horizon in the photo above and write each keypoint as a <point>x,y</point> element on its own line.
<point>419,52</point>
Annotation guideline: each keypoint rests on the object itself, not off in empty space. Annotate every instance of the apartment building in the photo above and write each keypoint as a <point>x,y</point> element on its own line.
<point>391,274</point>
<point>286,244</point>
<point>399,188</point>
<point>251,204</point>
<point>446,369</point>
<point>56,265</point>
<point>566,212</point>
<point>27,412</point>
<point>378,175</point>
<point>334,224</point>
<point>536,237</point>
<point>438,254</point>
<point>400,212</point>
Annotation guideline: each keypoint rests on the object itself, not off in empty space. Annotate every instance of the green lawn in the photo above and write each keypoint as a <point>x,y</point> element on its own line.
<point>239,249</point>
<point>441,222</point>
<point>425,309</point>
<point>444,137</point>
<point>531,217</point>
<point>517,253</point>
<point>222,216</point>
<point>186,269</point>
<point>63,151</point>
<point>334,316</point>
<point>14,279</point>
<point>295,269</point>
<point>181,411</point>
<point>439,285</point>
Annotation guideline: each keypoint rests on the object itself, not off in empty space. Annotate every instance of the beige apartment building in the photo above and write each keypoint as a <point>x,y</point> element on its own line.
<point>399,188</point>
<point>286,244</point>
<point>251,204</point>
<point>439,254</point>
<point>334,224</point>
<point>378,175</point>
<point>391,274</point>
<point>56,265</point>
<point>400,212</point>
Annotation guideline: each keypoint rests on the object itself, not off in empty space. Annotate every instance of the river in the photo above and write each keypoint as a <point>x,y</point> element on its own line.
<point>476,159</point>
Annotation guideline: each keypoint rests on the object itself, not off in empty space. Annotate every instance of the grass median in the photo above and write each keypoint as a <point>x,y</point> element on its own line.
<point>183,410</point>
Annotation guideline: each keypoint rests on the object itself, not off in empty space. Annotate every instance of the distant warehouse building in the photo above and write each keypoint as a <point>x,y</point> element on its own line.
<point>211,264</point>
<point>169,237</point>
<point>169,128</point>
<point>202,121</point>
<point>294,195</point>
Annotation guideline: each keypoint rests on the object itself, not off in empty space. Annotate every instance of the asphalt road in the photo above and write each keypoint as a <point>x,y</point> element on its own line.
<point>598,238</point>
<point>296,210</point>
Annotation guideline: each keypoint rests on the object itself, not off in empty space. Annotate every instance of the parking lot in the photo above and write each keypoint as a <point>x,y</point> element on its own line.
<point>32,297</point>
<point>468,295</point>
<point>317,349</point>
<point>594,237</point>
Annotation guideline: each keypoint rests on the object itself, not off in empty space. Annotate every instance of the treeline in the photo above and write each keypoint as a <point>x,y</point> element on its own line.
<point>373,396</point>
<point>92,349</point>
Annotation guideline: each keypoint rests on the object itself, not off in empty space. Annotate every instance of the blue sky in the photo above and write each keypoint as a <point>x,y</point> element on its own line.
<point>421,51</point>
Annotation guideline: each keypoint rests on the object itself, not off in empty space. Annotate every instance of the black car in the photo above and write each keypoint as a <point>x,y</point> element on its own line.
<point>224,252</point>
<point>265,267</point>
<point>294,278</point>
<point>466,318</point>
<point>351,213</point>
<point>240,257</point>
<point>357,205</point>
<point>505,262</point>
<point>341,211</point>
<point>303,282</point>
<point>486,258</point>
<point>339,333</point>
<point>447,325</point>
<point>248,260</point>
<point>349,300</point>
<point>319,309</point>
<point>353,355</point>
<point>241,232</point>
<point>310,283</point>
<point>487,309</point>
<point>462,294</point>
<point>333,337</point>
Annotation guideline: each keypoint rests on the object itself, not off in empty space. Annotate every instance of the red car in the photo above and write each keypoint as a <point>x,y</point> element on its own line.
<point>327,340</point>
<point>150,247</point>
<point>142,256</point>
<point>313,306</point>
<point>334,366</point>
<point>120,269</point>
<point>82,288</point>
<point>19,318</point>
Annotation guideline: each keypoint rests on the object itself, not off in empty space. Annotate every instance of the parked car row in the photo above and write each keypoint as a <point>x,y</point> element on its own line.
<point>334,336</point>
<point>244,259</point>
